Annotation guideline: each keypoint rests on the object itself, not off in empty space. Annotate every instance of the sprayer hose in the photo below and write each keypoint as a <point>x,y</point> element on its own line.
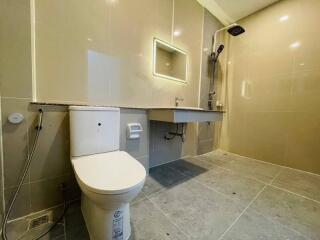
<point>23,176</point>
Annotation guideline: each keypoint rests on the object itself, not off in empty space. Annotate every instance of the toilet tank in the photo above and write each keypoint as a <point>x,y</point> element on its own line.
<point>93,130</point>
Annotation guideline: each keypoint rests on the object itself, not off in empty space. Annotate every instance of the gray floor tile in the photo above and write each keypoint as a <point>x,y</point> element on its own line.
<point>138,198</point>
<point>253,226</point>
<point>302,183</point>
<point>197,210</point>
<point>78,233</point>
<point>75,227</point>
<point>161,177</point>
<point>293,211</point>
<point>234,185</point>
<point>148,223</point>
<point>73,216</point>
<point>262,171</point>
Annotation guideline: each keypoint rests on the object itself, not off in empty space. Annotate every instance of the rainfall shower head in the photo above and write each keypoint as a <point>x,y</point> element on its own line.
<point>236,30</point>
<point>233,29</point>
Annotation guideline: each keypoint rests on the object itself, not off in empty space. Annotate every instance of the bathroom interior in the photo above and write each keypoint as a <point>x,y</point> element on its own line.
<point>160,119</point>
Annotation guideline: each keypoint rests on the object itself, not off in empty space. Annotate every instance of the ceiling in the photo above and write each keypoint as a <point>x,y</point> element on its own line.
<point>230,11</point>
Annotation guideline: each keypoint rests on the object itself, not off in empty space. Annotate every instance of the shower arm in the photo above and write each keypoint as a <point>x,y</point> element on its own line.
<point>214,48</point>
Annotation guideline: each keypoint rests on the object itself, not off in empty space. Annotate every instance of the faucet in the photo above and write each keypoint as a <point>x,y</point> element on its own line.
<point>177,100</point>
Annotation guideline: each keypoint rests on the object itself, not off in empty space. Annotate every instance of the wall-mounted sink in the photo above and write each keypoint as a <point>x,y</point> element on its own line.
<point>184,115</point>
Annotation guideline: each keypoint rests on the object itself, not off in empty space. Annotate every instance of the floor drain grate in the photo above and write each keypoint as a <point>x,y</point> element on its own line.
<point>36,222</point>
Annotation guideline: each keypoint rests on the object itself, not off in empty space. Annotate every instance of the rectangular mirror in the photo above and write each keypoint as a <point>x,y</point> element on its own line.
<point>169,61</point>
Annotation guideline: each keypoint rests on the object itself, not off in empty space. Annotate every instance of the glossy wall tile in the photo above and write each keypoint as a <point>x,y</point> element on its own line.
<point>207,132</point>
<point>273,86</point>
<point>107,57</point>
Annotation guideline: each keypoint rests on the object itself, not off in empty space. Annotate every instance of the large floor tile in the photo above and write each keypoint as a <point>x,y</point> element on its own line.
<point>262,171</point>
<point>78,233</point>
<point>74,217</point>
<point>253,226</point>
<point>149,223</point>
<point>197,210</point>
<point>302,183</point>
<point>234,185</point>
<point>161,177</point>
<point>293,211</point>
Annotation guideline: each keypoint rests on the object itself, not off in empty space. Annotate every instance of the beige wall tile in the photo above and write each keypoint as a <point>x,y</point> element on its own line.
<point>273,88</point>
<point>15,140</point>
<point>23,203</point>
<point>15,48</point>
<point>90,52</point>
<point>52,156</point>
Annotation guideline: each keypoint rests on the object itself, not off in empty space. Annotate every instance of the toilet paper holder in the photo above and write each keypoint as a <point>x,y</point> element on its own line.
<point>134,130</point>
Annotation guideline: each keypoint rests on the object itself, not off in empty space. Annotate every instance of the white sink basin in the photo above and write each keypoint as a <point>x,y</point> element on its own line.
<point>184,115</point>
<point>189,108</point>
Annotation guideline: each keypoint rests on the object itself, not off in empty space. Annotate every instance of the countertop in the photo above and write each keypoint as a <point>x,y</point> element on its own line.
<point>181,108</point>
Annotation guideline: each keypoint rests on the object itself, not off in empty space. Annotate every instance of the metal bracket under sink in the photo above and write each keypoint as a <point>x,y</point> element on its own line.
<point>182,134</point>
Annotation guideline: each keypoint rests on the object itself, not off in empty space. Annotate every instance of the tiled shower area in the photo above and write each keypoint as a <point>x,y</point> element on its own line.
<point>216,196</point>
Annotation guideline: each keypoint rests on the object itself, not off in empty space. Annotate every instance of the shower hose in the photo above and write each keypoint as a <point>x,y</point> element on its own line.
<point>22,178</point>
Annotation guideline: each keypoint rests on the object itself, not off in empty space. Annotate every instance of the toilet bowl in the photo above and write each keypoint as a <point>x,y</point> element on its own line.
<point>108,178</point>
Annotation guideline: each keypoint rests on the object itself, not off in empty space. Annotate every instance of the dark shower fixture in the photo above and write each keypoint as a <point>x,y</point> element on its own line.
<point>215,56</point>
<point>234,30</point>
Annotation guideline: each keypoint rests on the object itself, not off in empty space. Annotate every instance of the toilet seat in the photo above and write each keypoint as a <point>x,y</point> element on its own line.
<point>109,173</point>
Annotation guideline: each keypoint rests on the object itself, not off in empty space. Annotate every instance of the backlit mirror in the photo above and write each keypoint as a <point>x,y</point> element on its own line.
<point>169,61</point>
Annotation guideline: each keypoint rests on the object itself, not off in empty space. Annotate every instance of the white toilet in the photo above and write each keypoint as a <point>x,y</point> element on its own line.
<point>109,178</point>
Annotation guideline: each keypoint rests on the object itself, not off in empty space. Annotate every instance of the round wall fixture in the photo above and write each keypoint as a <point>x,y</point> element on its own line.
<point>15,118</point>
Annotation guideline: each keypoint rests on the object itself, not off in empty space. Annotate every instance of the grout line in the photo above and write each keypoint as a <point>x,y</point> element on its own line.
<point>271,183</point>
<point>172,22</point>
<point>282,225</point>
<point>201,60</point>
<point>3,205</point>
<point>168,217</point>
<point>261,161</point>
<point>221,193</point>
<point>267,183</point>
<point>241,174</point>
<point>235,172</point>
<point>15,98</point>
<point>191,177</point>
<point>297,194</point>
<point>33,49</point>
<point>251,202</point>
<point>237,218</point>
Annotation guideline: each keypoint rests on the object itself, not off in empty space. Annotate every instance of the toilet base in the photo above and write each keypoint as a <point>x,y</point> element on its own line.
<point>106,224</point>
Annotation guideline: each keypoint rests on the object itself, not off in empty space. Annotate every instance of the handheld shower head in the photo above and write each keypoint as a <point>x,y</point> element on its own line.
<point>220,48</point>
<point>216,55</point>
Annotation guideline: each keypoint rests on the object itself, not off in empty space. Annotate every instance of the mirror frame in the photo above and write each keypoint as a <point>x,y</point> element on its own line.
<point>155,41</point>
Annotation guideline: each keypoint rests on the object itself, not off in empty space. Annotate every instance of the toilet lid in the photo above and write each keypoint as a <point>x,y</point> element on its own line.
<point>109,173</point>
